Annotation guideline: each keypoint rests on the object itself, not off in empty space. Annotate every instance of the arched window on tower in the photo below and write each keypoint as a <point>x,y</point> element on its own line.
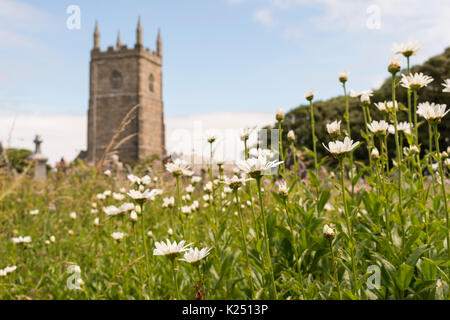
<point>151,80</point>
<point>116,80</point>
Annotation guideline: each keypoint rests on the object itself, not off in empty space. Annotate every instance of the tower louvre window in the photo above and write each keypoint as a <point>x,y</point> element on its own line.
<point>151,80</point>
<point>116,80</point>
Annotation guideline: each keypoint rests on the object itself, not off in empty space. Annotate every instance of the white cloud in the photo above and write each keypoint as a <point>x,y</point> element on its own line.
<point>233,2</point>
<point>264,17</point>
<point>66,135</point>
<point>17,21</point>
<point>292,33</point>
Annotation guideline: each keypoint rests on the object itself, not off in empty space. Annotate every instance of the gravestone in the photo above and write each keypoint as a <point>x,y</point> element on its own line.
<point>40,172</point>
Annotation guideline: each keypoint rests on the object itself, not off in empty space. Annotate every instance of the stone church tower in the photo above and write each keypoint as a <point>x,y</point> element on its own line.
<point>121,78</point>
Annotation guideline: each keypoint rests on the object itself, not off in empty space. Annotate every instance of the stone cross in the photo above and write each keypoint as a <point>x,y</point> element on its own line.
<point>40,172</point>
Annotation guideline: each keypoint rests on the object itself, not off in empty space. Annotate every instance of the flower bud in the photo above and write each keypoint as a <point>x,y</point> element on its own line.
<point>291,136</point>
<point>280,114</point>
<point>343,77</point>
<point>328,232</point>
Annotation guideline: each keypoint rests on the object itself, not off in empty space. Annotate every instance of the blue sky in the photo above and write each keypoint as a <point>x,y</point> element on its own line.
<point>219,55</point>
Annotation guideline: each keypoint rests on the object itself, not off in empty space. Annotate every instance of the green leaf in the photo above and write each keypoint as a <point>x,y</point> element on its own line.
<point>404,276</point>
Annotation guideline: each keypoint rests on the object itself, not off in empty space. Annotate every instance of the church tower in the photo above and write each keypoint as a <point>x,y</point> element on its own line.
<point>121,78</point>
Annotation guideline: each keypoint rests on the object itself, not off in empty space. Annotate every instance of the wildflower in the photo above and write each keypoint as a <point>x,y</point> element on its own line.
<point>96,222</point>
<point>101,196</point>
<point>34,212</point>
<point>255,167</point>
<point>194,256</point>
<point>189,188</point>
<point>283,189</point>
<point>195,180</point>
<point>107,173</point>
<point>415,81</point>
<point>117,235</point>
<point>168,202</point>
<point>107,193</point>
<point>432,111</point>
<point>291,136</point>
<point>179,167</point>
<point>375,154</point>
<point>195,205</point>
<point>145,180</point>
<point>387,106</point>
<point>255,153</point>
<point>309,96</point>
<point>446,85</point>
<point>52,239</point>
<point>73,215</point>
<point>150,233</point>
<point>26,239</point>
<point>279,115</point>
<point>145,195</point>
<point>338,148</point>
<point>118,196</point>
<point>395,65</point>
<point>334,128</point>
<point>186,209</point>
<point>170,250</point>
<point>170,231</point>
<point>245,134</point>
<point>208,187</point>
<point>210,138</point>
<point>343,76</point>
<point>133,216</point>
<point>409,49</point>
<point>4,272</point>
<point>123,190</point>
<point>111,210</point>
<point>404,127</point>
<point>327,207</point>
<point>378,127</point>
<point>360,94</point>
<point>328,232</point>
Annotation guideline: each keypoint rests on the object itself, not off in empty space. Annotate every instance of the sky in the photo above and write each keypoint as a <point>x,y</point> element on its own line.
<point>221,58</point>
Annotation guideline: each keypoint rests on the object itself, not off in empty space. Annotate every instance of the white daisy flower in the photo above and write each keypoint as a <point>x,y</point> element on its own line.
<point>432,111</point>
<point>73,215</point>
<point>4,272</point>
<point>256,167</point>
<point>329,232</point>
<point>283,189</point>
<point>194,256</point>
<point>378,127</point>
<point>291,135</point>
<point>186,209</point>
<point>179,167</point>
<point>117,235</point>
<point>170,250</point>
<point>107,173</point>
<point>409,49</point>
<point>118,196</point>
<point>26,239</point>
<point>415,81</point>
<point>341,147</point>
<point>168,202</point>
<point>334,127</point>
<point>145,180</point>
<point>34,212</point>
<point>195,179</point>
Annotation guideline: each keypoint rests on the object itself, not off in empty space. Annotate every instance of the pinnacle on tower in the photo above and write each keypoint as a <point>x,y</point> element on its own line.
<point>159,44</point>
<point>139,42</point>
<point>96,37</point>
<point>119,41</point>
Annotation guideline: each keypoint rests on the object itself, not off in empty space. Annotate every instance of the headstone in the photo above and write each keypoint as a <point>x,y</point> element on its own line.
<point>41,160</point>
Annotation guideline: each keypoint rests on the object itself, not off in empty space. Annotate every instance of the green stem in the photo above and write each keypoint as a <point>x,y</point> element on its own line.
<point>266,239</point>
<point>444,195</point>
<point>349,229</point>
<point>313,131</point>
<point>244,244</point>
